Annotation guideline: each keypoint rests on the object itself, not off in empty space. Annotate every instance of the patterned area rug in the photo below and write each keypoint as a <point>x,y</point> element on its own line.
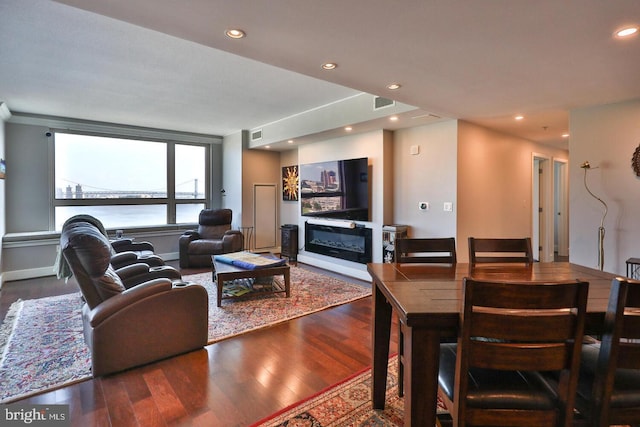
<point>347,403</point>
<point>42,346</point>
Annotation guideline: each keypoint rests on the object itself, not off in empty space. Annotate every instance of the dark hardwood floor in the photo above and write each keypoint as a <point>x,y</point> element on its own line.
<point>230,383</point>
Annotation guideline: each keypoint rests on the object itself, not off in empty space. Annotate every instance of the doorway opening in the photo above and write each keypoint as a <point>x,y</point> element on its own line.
<point>561,210</point>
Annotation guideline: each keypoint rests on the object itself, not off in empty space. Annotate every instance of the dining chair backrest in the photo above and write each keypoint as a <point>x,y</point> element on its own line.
<point>614,368</point>
<point>525,327</point>
<point>500,250</point>
<point>426,250</point>
<point>435,250</point>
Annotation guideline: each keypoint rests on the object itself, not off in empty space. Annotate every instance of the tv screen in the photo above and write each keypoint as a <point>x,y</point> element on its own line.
<point>335,189</point>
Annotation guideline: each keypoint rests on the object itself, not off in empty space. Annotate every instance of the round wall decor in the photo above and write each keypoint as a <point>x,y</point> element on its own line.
<point>635,161</point>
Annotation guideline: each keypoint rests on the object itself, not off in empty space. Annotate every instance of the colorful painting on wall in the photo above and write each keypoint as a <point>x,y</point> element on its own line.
<point>3,168</point>
<point>290,183</point>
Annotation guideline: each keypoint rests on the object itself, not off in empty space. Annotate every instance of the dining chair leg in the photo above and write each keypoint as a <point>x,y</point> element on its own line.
<point>400,361</point>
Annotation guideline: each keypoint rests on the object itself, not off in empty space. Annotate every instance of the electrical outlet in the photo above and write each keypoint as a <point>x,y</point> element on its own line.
<point>423,206</point>
<point>448,207</point>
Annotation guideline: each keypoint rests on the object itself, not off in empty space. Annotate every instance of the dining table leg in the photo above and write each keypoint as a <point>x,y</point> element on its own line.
<point>421,361</point>
<point>380,345</point>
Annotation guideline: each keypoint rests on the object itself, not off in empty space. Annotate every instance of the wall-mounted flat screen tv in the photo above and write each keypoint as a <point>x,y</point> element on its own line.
<point>335,189</point>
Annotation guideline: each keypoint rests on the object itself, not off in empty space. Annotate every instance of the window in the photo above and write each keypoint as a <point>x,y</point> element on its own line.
<point>125,182</point>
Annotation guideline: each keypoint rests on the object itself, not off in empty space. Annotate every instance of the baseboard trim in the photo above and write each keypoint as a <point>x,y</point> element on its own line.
<point>335,267</point>
<point>32,273</point>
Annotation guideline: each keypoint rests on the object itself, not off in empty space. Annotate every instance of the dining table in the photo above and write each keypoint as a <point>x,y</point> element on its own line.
<point>428,300</point>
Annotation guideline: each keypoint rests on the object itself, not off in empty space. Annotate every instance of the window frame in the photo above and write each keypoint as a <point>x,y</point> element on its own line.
<point>170,201</point>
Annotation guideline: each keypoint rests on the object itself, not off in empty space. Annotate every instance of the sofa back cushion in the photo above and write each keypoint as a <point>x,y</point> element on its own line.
<point>88,253</point>
<point>213,223</point>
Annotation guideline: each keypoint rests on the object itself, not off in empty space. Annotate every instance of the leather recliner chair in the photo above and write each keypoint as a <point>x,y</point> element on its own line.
<point>125,251</point>
<point>130,318</point>
<point>214,236</point>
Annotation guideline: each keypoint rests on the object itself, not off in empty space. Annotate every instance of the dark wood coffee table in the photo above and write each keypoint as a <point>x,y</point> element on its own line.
<point>223,273</point>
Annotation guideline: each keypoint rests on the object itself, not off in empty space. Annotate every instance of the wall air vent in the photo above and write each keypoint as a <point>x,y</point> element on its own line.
<point>256,135</point>
<point>380,102</point>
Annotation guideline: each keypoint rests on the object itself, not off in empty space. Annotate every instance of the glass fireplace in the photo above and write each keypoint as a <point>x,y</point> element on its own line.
<point>351,244</point>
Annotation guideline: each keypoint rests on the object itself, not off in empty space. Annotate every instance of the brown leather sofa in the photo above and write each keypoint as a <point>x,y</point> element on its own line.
<point>214,236</point>
<point>131,318</point>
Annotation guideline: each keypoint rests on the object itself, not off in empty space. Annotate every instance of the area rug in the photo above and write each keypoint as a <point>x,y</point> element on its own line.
<point>347,403</point>
<point>42,346</point>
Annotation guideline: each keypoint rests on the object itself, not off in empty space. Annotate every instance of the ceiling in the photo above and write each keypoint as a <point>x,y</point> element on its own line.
<point>169,65</point>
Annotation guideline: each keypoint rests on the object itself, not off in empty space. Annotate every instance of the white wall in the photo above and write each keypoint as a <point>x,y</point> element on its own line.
<point>494,173</point>
<point>232,177</point>
<point>371,145</point>
<point>3,226</point>
<point>429,176</point>
<point>606,136</point>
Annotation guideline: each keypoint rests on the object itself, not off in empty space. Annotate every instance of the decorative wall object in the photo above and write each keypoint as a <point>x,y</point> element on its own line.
<point>290,183</point>
<point>601,231</point>
<point>3,168</point>
<point>635,161</point>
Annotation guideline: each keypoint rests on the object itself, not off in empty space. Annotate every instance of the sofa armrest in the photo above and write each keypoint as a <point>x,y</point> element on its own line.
<point>125,244</point>
<point>118,302</point>
<point>135,274</point>
<point>122,259</point>
<point>183,246</point>
<point>233,241</point>
<point>144,324</point>
<point>187,237</point>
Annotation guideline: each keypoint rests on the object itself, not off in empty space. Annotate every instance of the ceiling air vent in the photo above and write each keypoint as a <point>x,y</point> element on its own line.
<point>380,102</point>
<point>256,135</point>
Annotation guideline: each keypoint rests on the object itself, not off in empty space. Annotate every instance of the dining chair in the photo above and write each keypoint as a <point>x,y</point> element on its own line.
<point>510,333</point>
<point>609,384</point>
<point>501,250</point>
<point>426,250</point>
<point>436,250</point>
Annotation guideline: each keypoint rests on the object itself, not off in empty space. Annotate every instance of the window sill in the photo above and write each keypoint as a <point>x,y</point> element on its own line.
<point>14,240</point>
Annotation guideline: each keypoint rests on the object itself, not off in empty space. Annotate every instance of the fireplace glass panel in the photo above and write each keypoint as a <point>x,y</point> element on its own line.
<point>351,244</point>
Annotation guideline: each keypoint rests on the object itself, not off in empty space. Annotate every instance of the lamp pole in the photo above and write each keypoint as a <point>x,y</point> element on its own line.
<point>601,231</point>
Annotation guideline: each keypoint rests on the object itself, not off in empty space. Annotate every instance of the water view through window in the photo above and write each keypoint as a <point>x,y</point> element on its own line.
<point>123,182</point>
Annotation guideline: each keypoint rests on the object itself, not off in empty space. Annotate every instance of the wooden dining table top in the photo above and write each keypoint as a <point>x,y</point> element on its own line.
<point>433,293</point>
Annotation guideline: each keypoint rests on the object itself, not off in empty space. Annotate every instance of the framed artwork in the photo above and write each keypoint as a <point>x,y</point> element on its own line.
<point>3,168</point>
<point>290,183</point>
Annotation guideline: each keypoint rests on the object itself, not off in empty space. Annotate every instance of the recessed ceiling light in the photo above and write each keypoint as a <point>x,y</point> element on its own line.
<point>393,118</point>
<point>329,66</point>
<point>519,117</point>
<point>290,141</point>
<point>626,32</point>
<point>235,33</point>
<point>565,135</point>
<point>394,86</point>
<point>348,128</point>
<point>267,147</point>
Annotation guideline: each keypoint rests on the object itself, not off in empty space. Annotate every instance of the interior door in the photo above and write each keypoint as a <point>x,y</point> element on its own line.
<point>265,216</point>
<point>561,208</point>
<point>542,206</point>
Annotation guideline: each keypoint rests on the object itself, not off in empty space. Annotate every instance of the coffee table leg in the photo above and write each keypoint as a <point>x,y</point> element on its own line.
<point>287,283</point>
<point>219,283</point>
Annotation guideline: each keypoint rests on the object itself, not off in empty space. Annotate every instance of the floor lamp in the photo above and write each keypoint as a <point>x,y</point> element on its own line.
<point>586,166</point>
